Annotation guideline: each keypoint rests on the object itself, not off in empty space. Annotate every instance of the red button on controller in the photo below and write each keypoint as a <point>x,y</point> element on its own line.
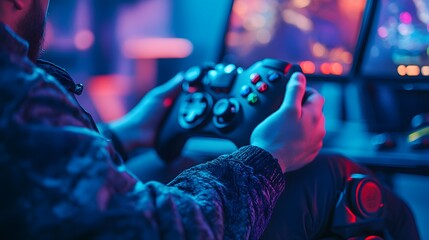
<point>255,78</point>
<point>262,87</point>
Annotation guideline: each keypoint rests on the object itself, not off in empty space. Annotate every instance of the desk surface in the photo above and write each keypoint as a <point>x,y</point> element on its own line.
<point>349,139</point>
<point>353,141</point>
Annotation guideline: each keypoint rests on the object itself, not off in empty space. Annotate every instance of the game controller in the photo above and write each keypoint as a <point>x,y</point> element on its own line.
<point>223,101</point>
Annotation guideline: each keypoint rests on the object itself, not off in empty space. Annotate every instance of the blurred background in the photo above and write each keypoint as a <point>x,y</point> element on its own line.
<point>369,58</point>
<point>121,49</point>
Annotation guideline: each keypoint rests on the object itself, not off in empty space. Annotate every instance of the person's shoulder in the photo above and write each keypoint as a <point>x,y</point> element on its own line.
<point>15,76</point>
<point>19,77</point>
<point>31,95</point>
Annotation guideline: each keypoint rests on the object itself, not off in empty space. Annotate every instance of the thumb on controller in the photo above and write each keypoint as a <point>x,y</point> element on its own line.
<point>169,90</point>
<point>295,91</point>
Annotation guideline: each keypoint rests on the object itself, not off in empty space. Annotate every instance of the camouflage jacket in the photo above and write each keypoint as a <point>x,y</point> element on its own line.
<point>60,178</point>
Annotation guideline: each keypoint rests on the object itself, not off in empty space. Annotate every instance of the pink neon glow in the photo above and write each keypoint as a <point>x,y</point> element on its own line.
<point>107,93</point>
<point>84,40</point>
<point>168,102</point>
<point>351,217</point>
<point>382,32</point>
<point>155,48</point>
<point>406,17</point>
<point>49,35</point>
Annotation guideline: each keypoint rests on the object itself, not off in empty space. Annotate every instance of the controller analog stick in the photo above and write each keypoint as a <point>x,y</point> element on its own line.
<point>224,112</point>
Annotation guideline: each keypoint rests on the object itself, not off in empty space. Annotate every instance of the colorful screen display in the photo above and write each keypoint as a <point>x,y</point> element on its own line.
<point>320,35</point>
<point>398,43</point>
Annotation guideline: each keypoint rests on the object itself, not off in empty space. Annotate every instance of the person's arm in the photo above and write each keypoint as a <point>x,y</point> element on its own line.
<point>60,180</point>
<point>138,128</point>
<point>231,197</point>
<point>68,186</point>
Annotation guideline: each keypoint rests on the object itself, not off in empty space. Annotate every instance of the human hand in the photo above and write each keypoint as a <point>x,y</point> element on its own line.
<point>294,133</point>
<point>139,127</point>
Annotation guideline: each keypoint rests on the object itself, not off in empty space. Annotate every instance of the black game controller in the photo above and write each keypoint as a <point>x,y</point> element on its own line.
<point>223,101</point>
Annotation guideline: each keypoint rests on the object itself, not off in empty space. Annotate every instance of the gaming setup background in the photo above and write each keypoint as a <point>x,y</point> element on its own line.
<point>369,58</point>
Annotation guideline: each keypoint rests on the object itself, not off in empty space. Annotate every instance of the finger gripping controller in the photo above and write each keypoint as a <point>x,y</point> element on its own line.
<point>223,101</point>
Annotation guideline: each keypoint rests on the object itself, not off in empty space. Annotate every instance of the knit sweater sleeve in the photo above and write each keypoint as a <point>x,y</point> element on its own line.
<point>236,192</point>
<point>231,197</point>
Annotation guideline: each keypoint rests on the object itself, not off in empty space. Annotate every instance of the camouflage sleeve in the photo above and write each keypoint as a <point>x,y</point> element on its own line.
<point>48,103</point>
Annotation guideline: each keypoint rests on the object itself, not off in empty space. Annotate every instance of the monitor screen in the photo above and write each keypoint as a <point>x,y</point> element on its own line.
<point>320,35</point>
<point>398,43</point>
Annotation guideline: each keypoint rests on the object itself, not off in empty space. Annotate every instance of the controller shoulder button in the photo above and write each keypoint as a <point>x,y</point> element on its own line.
<point>276,64</point>
<point>193,74</point>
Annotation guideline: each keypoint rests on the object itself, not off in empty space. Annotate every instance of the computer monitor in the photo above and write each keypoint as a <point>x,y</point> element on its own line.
<point>394,70</point>
<point>398,43</point>
<point>320,35</point>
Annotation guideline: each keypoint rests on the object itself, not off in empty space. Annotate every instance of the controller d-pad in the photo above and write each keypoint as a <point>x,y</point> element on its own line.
<point>194,109</point>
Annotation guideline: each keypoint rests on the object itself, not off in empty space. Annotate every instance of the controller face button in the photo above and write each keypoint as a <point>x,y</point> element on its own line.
<point>245,91</point>
<point>274,77</point>
<point>252,98</point>
<point>262,87</point>
<point>255,78</point>
<point>194,109</point>
<point>224,112</point>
